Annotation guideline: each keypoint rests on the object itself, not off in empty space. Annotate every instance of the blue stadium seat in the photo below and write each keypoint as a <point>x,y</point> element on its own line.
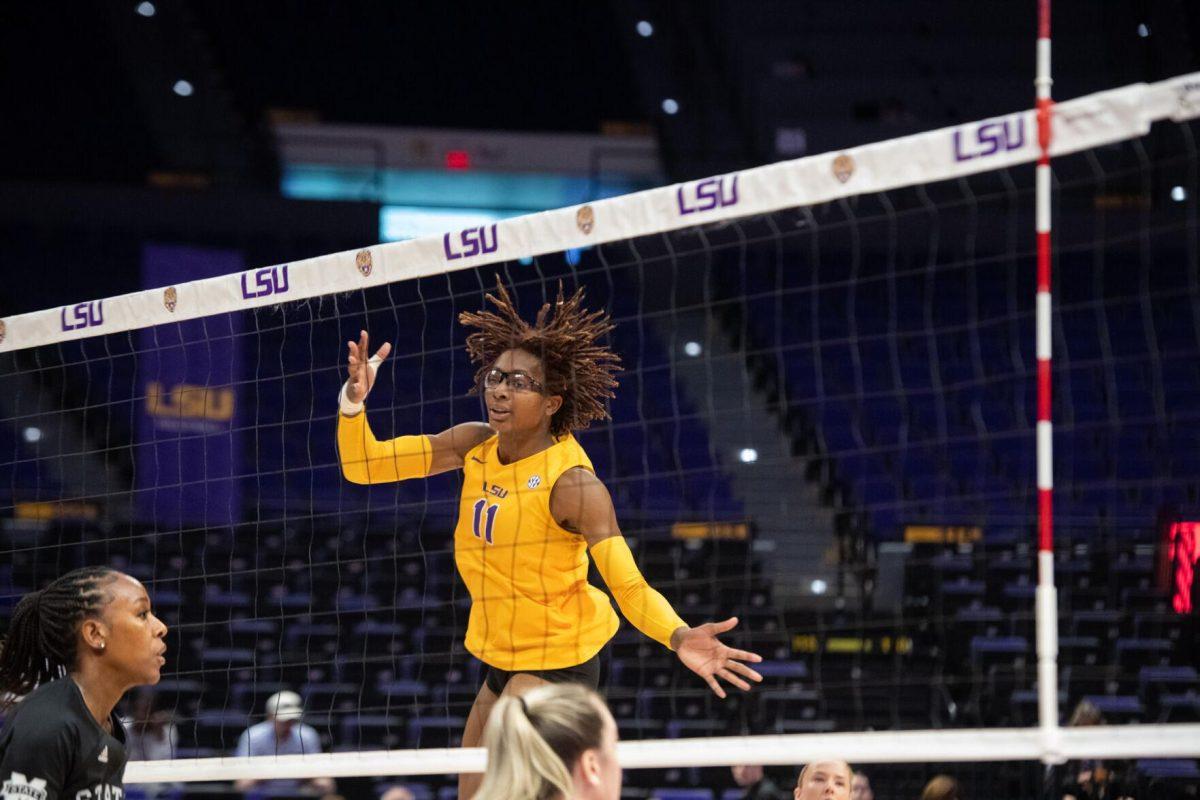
<point>684,728</point>
<point>635,729</point>
<point>1118,709</point>
<point>796,703</point>
<point>1079,650</point>
<point>435,731</point>
<point>373,731</point>
<point>987,650</point>
<point>681,794</point>
<point>1138,653</point>
<point>1169,768</point>
<point>1178,708</point>
<point>1104,625</point>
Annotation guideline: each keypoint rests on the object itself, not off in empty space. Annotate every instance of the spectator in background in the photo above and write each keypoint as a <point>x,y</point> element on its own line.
<point>398,793</point>
<point>1084,715</point>
<point>150,735</point>
<point>1091,779</point>
<point>282,734</point>
<point>942,787</point>
<point>860,787</point>
<point>757,783</point>
<point>824,780</point>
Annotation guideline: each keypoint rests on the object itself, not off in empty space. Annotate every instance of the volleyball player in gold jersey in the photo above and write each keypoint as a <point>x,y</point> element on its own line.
<point>532,508</point>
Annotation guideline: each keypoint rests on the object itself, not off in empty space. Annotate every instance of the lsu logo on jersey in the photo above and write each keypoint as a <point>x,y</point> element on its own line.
<point>18,787</point>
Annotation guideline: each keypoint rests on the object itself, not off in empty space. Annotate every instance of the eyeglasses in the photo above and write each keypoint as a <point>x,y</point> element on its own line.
<point>517,381</point>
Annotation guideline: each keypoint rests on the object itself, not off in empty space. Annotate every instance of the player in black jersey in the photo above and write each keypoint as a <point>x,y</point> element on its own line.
<point>72,650</point>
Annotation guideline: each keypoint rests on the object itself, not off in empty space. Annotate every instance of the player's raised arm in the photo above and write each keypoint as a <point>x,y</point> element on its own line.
<point>364,458</point>
<point>580,502</point>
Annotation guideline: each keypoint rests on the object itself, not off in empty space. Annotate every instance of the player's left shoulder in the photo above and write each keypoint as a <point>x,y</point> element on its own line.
<point>577,478</point>
<point>580,503</point>
<point>578,488</point>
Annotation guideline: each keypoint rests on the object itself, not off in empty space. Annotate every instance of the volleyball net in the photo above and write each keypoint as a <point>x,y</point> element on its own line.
<point>824,426</point>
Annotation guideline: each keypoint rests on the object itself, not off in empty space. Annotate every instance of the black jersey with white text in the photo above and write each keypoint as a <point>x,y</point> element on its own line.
<point>52,748</point>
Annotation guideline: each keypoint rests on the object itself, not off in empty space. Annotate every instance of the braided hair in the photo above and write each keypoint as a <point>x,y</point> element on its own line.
<point>42,636</point>
<point>564,336</point>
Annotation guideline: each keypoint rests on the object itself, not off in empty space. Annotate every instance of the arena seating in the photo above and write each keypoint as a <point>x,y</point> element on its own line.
<point>930,419</point>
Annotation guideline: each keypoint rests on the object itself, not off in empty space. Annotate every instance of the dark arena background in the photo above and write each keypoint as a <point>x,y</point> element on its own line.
<point>849,382</point>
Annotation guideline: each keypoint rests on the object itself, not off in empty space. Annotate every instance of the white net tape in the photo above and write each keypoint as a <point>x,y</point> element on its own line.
<point>880,747</point>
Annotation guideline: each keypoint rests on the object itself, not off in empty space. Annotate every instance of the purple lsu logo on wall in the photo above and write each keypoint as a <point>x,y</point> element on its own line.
<point>470,242</point>
<point>82,315</point>
<point>988,138</point>
<point>707,194</point>
<point>266,281</point>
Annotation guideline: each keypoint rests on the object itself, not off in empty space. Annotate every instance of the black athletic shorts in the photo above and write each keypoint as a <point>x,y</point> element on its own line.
<point>586,674</point>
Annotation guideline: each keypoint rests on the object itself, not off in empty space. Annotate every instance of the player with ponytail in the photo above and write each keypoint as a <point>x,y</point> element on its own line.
<point>70,653</point>
<point>554,742</point>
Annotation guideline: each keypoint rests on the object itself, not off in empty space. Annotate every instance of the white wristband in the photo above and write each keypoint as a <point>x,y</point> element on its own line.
<point>348,408</point>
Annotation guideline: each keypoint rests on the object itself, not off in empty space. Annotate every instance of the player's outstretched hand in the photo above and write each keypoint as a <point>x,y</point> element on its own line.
<point>360,373</point>
<point>703,653</point>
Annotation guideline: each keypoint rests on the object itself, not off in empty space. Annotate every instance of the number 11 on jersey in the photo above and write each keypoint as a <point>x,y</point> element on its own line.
<point>491,519</point>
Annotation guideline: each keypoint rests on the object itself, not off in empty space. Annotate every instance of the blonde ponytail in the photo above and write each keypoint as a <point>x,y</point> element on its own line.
<point>534,741</point>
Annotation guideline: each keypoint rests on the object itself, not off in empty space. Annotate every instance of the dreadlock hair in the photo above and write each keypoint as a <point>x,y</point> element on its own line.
<point>564,336</point>
<point>42,636</point>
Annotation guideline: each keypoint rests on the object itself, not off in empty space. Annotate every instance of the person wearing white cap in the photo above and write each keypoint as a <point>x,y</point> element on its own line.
<point>282,734</point>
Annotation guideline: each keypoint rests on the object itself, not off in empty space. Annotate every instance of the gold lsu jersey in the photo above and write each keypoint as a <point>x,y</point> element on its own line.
<point>532,607</point>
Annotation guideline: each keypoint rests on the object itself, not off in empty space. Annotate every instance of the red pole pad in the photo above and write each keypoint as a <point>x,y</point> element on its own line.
<point>1043,384</point>
<point>1045,520</point>
<point>1045,109</point>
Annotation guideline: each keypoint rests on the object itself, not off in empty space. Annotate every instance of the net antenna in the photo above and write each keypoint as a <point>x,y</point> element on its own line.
<point>1047,596</point>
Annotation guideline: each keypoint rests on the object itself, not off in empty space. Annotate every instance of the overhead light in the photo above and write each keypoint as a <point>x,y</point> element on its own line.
<point>183,88</point>
<point>1179,194</point>
<point>1143,30</point>
<point>146,9</point>
<point>32,434</point>
<point>693,349</point>
<point>748,455</point>
<point>670,106</point>
<point>819,586</point>
<point>645,29</point>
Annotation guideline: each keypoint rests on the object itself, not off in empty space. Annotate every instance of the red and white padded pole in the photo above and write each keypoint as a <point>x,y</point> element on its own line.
<point>1047,601</point>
